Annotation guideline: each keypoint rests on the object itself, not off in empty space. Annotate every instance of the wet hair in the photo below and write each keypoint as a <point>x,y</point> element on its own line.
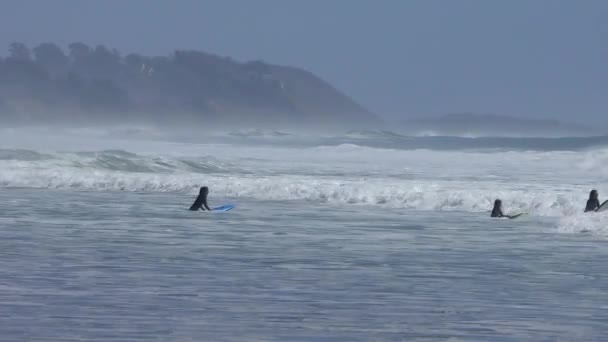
<point>497,203</point>
<point>593,194</point>
<point>204,190</point>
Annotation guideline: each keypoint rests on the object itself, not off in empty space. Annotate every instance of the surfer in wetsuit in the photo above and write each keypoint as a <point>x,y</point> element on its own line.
<point>593,203</point>
<point>497,210</point>
<point>201,200</point>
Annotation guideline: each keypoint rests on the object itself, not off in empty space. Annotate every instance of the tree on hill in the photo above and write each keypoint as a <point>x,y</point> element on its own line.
<point>100,81</point>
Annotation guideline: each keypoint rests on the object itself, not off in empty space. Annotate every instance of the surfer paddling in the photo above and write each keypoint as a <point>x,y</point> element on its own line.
<point>593,203</point>
<point>201,200</point>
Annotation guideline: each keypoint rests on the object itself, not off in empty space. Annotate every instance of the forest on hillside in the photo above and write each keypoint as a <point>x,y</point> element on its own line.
<point>46,83</point>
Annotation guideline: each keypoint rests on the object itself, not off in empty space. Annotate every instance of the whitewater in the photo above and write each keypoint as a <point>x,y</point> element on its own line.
<point>356,236</point>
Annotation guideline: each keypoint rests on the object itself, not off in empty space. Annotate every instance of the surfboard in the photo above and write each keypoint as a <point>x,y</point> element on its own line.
<point>224,207</point>
<point>517,215</point>
<point>603,206</point>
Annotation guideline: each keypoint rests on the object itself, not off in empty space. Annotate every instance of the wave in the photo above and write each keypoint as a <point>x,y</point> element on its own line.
<point>373,134</point>
<point>109,160</point>
<point>540,183</point>
<point>258,133</point>
<point>418,195</point>
<point>349,148</point>
<point>98,138</point>
<point>22,155</point>
<point>452,143</point>
<point>144,133</point>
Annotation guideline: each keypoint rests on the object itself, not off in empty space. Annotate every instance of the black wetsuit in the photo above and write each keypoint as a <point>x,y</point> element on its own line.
<point>592,205</point>
<point>497,212</point>
<point>201,202</point>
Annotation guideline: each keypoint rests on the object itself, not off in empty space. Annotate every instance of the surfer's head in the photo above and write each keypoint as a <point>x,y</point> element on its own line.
<point>497,204</point>
<point>204,191</point>
<point>593,194</point>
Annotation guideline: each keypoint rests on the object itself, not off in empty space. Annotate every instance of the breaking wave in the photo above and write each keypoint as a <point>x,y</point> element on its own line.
<point>108,160</point>
<point>126,171</point>
<point>552,184</point>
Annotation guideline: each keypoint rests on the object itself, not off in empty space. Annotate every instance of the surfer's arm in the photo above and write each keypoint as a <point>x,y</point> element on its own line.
<point>206,206</point>
<point>592,206</point>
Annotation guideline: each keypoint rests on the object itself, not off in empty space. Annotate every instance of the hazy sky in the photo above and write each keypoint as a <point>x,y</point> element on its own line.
<point>542,58</point>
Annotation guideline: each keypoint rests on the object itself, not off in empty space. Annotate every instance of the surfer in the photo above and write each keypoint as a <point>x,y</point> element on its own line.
<point>593,203</point>
<point>497,210</point>
<point>201,200</point>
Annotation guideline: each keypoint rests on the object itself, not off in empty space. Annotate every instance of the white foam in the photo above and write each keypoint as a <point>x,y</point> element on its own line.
<point>541,183</point>
<point>394,193</point>
<point>589,223</point>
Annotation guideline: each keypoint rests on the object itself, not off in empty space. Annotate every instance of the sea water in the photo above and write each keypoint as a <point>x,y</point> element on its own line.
<point>347,238</point>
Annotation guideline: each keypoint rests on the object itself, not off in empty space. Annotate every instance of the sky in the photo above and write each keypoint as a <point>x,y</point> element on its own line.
<point>398,58</point>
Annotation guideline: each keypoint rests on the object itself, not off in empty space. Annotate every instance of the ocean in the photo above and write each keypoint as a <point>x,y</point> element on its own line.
<point>361,236</point>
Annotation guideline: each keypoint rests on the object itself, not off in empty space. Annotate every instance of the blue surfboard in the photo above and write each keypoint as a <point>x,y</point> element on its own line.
<point>224,208</point>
